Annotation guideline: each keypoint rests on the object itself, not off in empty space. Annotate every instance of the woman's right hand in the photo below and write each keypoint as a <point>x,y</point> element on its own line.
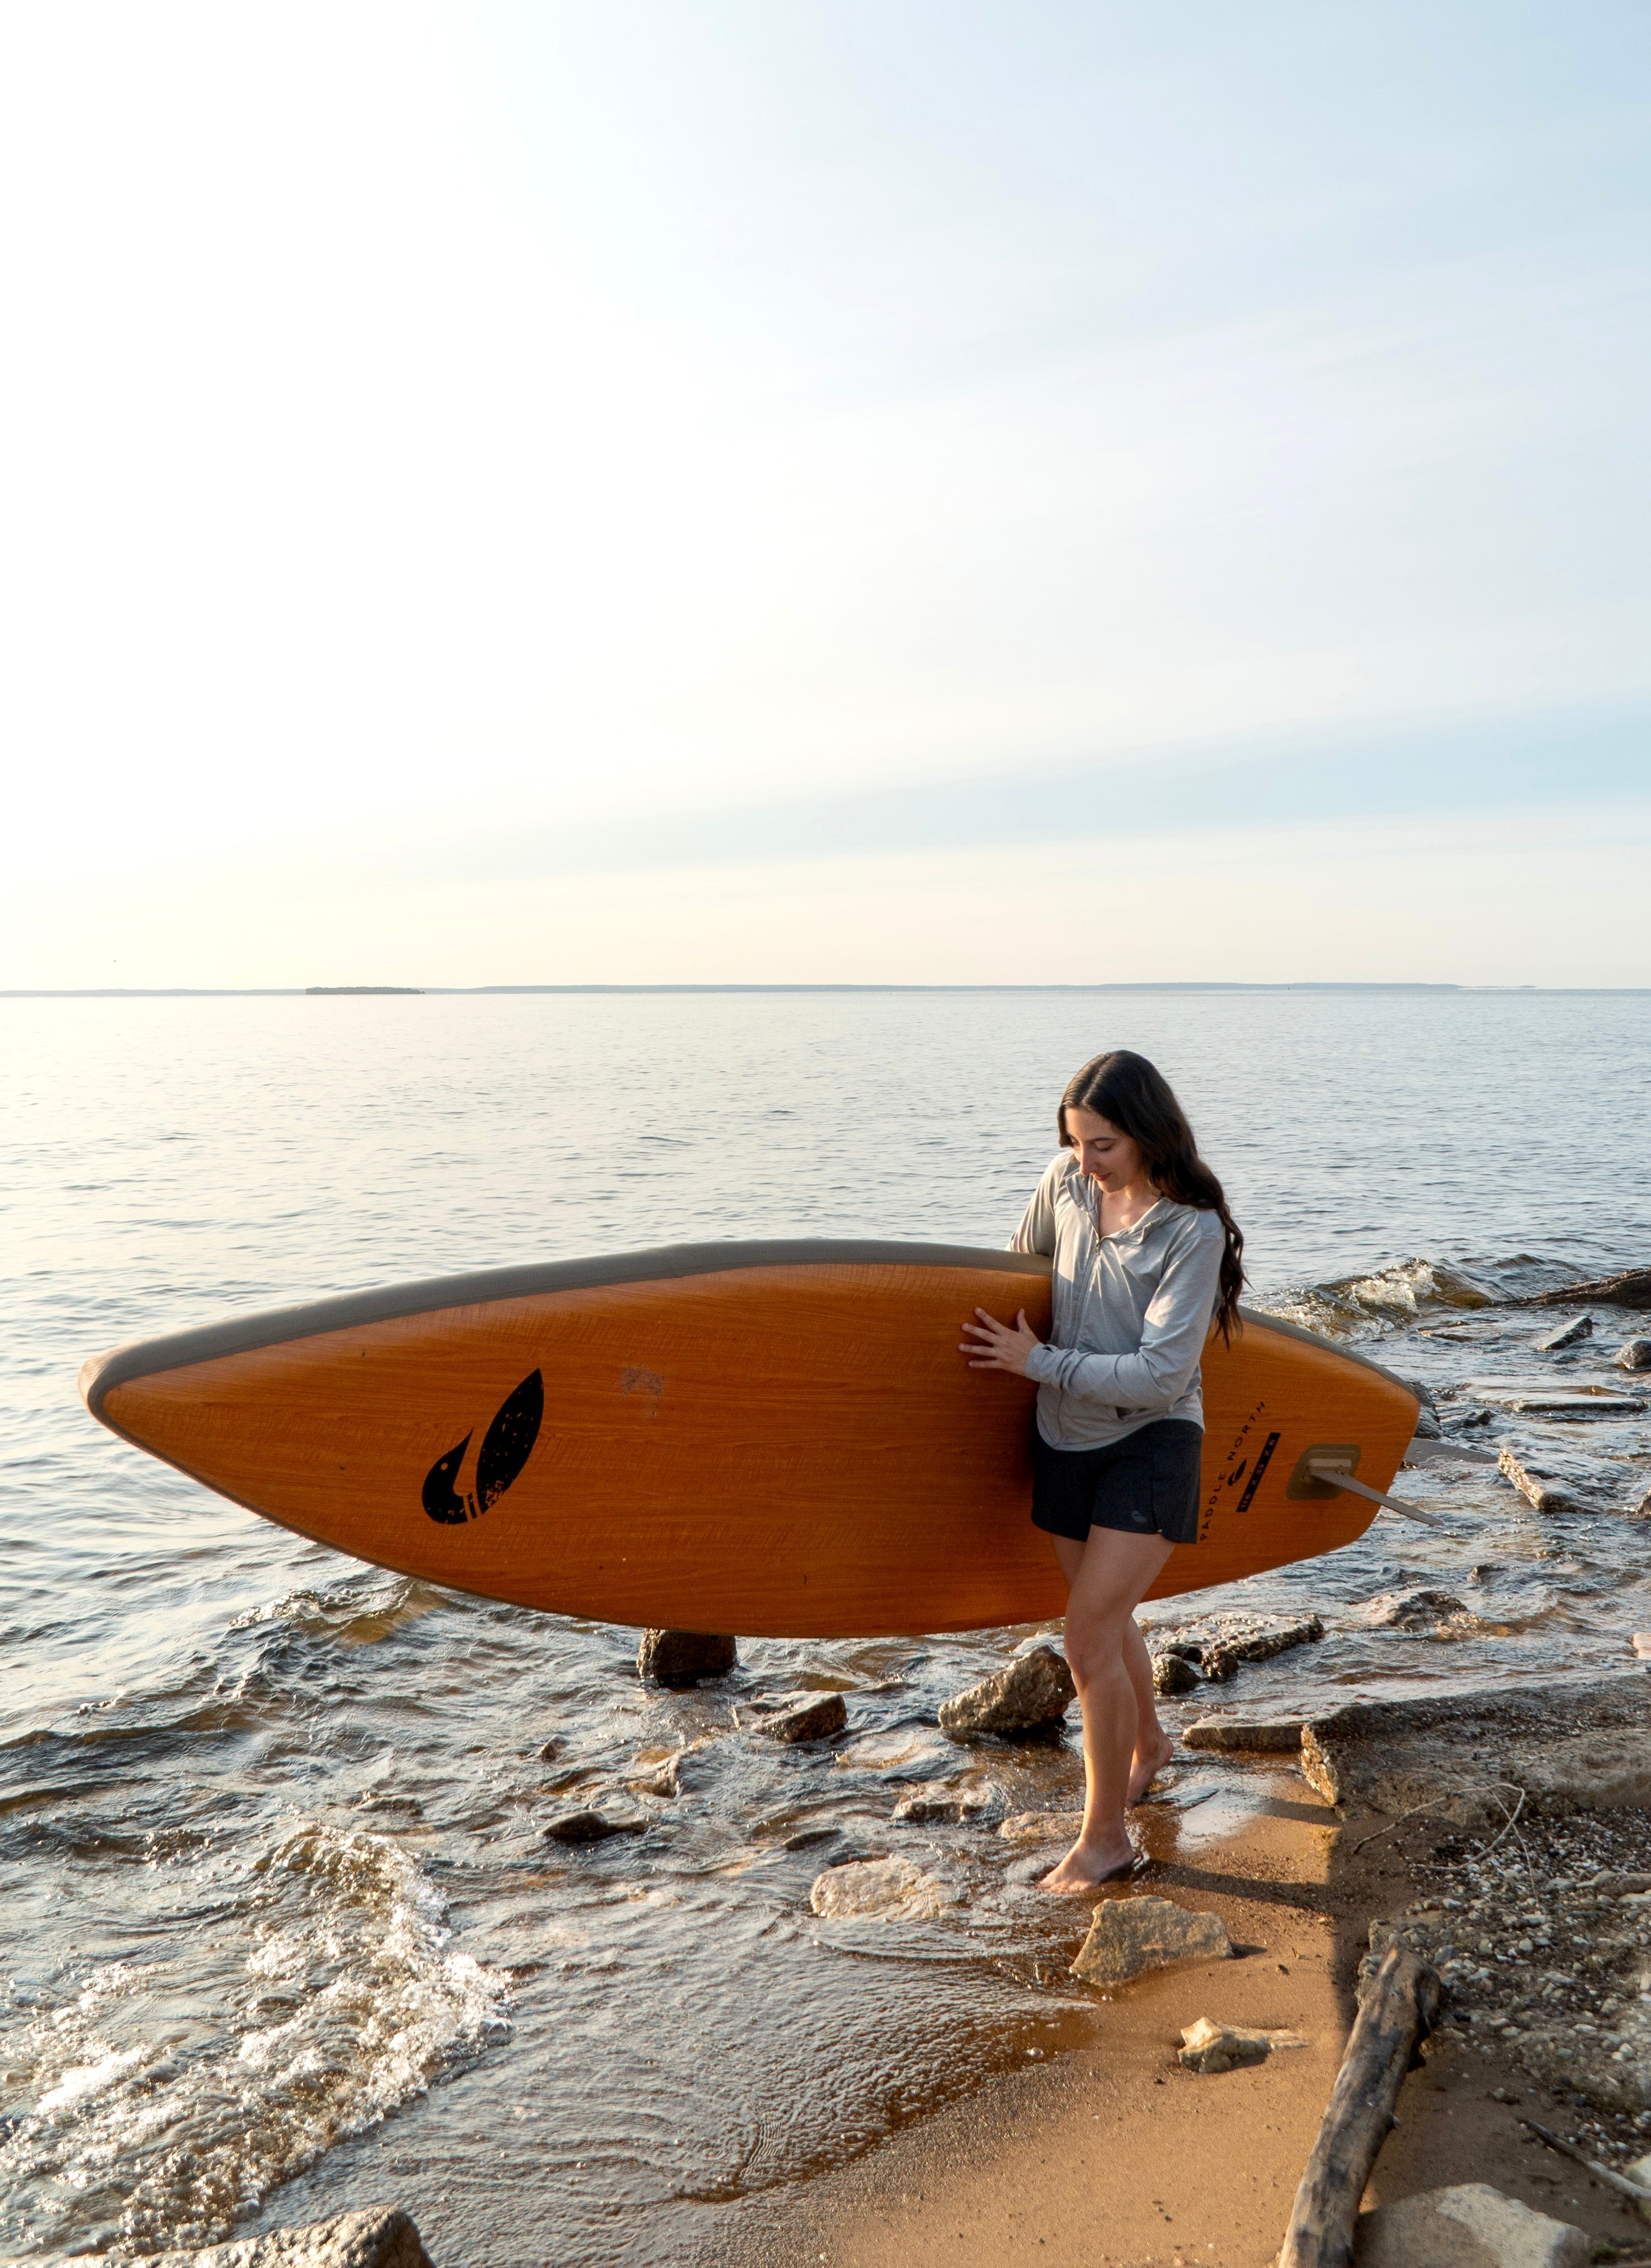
<point>999,1346</point>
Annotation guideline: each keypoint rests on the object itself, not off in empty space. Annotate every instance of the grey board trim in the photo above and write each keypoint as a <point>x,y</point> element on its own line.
<point>355,1310</point>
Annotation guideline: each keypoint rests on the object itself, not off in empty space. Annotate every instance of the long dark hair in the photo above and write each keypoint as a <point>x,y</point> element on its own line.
<point>1132,1094</point>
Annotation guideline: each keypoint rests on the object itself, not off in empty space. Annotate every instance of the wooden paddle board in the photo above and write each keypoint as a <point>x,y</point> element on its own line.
<point>774,1439</point>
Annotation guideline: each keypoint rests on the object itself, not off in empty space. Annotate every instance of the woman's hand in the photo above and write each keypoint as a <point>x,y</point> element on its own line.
<point>992,1346</point>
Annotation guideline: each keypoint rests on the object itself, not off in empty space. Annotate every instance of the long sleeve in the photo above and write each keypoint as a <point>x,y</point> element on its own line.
<point>1155,1374</point>
<point>1036,1232</point>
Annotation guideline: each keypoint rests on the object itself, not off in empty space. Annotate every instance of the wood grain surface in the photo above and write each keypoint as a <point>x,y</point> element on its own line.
<point>789,1451</point>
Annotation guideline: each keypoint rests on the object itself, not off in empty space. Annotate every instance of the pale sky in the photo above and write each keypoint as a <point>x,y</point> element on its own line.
<point>787,490</point>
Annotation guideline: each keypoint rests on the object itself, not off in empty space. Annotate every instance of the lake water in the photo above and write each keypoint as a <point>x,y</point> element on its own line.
<point>281,1933</point>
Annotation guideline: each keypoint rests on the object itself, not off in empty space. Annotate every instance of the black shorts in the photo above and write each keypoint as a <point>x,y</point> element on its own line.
<point>1145,1484</point>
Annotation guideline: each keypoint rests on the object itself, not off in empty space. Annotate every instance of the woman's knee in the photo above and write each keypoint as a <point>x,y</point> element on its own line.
<point>1096,1654</point>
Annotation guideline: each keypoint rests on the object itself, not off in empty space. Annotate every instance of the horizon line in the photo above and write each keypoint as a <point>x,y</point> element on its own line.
<point>477,991</point>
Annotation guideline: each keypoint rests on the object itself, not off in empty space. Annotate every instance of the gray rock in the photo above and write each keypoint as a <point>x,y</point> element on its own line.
<point>1472,2226</point>
<point>672,1657</point>
<point>382,2237</point>
<point>1636,1355</point>
<point>1237,1735</point>
<point>892,1889</point>
<point>1207,2047</point>
<point>1413,1610</point>
<point>1034,1689</point>
<point>589,1827</point>
<point>1129,1936</point>
<point>1575,1744</point>
<point>1567,1335</point>
<point>806,1716</point>
<point>1172,1674</point>
<point>943,1807</point>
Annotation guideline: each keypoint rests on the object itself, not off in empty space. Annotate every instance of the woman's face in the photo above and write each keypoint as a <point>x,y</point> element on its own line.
<point>1106,1156</point>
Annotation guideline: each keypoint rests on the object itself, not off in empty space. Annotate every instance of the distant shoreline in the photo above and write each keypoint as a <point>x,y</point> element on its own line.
<point>480,992</point>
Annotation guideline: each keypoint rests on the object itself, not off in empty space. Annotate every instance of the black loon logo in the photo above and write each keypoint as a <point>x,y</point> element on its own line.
<point>506,1447</point>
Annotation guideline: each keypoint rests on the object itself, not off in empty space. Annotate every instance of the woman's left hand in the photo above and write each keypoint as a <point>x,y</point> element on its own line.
<point>992,1346</point>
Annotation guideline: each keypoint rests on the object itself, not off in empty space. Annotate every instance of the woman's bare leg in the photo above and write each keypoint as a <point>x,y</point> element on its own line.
<point>1154,1747</point>
<point>1107,1578</point>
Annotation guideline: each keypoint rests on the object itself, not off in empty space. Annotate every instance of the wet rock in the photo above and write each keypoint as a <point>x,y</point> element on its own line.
<point>1172,1674</point>
<point>803,1716</point>
<point>893,1889</point>
<point>953,1807</point>
<point>382,2237</point>
<point>1034,1689</point>
<point>1211,2047</point>
<point>1630,1288</point>
<point>1220,1643</point>
<point>1575,1744</point>
<point>1042,1827</point>
<point>1472,2226</point>
<point>678,1658</point>
<point>1129,1936</point>
<point>1236,1736</point>
<point>1415,1610</point>
<point>1636,1355</point>
<point>666,1780</point>
<point>1555,1481</point>
<point>589,1827</point>
<point>1567,1335</point>
<point>1543,1490</point>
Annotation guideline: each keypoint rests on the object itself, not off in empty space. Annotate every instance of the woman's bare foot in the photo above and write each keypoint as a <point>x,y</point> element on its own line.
<point>1086,1866</point>
<point>1147,1763</point>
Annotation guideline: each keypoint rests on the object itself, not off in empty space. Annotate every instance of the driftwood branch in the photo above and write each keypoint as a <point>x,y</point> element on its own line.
<point>1630,1288</point>
<point>1397,2010</point>
<point>1606,2174</point>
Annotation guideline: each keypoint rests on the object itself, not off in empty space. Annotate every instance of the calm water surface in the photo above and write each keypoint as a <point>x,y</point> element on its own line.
<point>279,1932</point>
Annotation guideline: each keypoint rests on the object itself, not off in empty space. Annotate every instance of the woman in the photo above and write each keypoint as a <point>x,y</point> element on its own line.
<point>1145,1254</point>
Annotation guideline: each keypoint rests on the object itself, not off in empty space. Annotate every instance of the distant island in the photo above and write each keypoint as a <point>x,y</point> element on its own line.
<point>334,992</point>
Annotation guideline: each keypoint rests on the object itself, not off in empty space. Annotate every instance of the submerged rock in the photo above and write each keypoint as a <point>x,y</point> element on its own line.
<point>589,1827</point>
<point>1568,1335</point>
<point>382,2237</point>
<point>1129,1936</point>
<point>1473,2223</point>
<point>1035,1689</point>
<point>679,1658</point>
<point>1635,1355</point>
<point>893,1889</point>
<point>1042,1827</point>
<point>946,1806</point>
<point>1413,1610</point>
<point>1537,1399</point>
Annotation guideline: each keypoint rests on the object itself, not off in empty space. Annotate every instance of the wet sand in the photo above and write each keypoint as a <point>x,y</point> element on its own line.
<point>1112,2157</point>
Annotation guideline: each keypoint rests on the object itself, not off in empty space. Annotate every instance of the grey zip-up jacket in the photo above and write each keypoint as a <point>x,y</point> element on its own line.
<point>1132,1311</point>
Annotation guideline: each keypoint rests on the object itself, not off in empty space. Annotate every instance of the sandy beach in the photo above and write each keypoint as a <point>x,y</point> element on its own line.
<point>1112,2154</point>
